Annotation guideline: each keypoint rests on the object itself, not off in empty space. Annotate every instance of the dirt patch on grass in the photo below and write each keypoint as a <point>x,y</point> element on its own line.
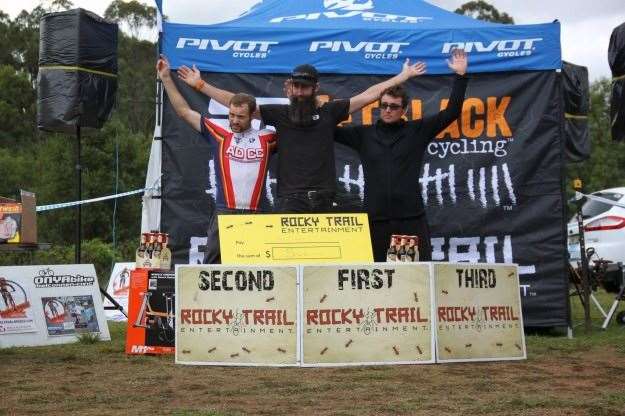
<point>100,380</point>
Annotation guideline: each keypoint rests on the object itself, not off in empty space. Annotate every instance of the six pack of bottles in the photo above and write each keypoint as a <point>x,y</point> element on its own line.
<point>153,252</point>
<point>403,248</point>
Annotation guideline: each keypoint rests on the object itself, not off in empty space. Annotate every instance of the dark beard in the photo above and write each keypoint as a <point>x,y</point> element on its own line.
<point>301,111</point>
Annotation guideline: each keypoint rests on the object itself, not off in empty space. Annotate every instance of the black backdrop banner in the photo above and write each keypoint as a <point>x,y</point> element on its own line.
<point>492,182</point>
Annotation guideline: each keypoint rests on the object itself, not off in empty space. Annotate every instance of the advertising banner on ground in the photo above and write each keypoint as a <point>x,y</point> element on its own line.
<point>49,304</point>
<point>367,314</point>
<point>478,312</point>
<point>293,238</point>
<point>118,287</point>
<point>237,315</point>
<point>151,306</point>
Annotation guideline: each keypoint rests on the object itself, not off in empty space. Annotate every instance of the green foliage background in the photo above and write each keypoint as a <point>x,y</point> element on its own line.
<point>44,163</point>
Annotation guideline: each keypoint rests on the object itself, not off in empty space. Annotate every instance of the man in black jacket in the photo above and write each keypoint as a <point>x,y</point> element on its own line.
<point>391,152</point>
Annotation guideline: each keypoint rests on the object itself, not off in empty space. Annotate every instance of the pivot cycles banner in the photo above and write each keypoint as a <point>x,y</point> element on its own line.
<point>351,37</point>
<point>492,182</point>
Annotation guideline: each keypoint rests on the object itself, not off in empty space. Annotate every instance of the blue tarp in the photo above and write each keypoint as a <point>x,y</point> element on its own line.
<point>357,37</point>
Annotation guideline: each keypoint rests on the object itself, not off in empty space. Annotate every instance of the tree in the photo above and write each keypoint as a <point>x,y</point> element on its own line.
<point>606,166</point>
<point>44,162</point>
<point>17,106</point>
<point>133,14</point>
<point>483,10</point>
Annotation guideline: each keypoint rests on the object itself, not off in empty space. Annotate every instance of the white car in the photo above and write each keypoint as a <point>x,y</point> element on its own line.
<point>604,228</point>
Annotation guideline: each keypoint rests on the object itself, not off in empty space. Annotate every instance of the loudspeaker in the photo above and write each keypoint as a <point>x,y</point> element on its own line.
<point>576,92</point>
<point>616,59</point>
<point>77,80</point>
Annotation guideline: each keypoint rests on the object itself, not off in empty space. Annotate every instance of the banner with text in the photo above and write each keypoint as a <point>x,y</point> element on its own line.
<point>492,182</point>
<point>367,314</point>
<point>49,304</point>
<point>294,239</point>
<point>478,313</point>
<point>237,315</point>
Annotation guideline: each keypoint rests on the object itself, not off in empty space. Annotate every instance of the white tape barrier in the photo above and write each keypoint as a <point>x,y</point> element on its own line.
<point>89,201</point>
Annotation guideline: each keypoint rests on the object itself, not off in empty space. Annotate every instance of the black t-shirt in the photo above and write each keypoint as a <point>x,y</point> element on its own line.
<point>306,154</point>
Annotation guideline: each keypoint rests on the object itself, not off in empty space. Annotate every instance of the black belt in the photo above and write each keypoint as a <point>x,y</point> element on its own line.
<point>311,195</point>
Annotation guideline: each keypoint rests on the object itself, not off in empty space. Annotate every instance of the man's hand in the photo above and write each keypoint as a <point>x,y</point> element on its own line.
<point>458,62</point>
<point>409,71</point>
<point>288,88</point>
<point>162,67</point>
<point>191,76</point>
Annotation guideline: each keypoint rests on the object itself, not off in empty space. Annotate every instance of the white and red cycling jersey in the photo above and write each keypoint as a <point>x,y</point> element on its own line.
<point>241,160</point>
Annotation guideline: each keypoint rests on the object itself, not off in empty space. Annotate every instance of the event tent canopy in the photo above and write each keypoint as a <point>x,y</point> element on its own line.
<point>356,37</point>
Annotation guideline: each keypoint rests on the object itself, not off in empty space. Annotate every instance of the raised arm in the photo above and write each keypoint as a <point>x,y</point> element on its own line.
<point>181,107</point>
<point>434,124</point>
<point>373,93</point>
<point>193,78</point>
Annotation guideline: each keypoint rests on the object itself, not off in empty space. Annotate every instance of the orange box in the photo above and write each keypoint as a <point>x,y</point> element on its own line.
<point>151,312</point>
<point>18,220</point>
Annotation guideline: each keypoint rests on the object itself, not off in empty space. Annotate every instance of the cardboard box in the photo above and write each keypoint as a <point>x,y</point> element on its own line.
<point>151,312</point>
<point>18,220</point>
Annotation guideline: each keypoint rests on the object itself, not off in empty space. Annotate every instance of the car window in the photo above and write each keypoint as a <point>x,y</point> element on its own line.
<point>592,208</point>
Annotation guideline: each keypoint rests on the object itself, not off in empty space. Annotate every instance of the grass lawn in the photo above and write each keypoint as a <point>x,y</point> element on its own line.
<point>582,376</point>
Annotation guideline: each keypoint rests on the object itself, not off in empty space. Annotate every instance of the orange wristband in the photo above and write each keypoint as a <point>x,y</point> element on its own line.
<point>199,85</point>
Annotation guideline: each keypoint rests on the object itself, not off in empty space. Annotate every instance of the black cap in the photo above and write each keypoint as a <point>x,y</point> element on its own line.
<point>305,74</point>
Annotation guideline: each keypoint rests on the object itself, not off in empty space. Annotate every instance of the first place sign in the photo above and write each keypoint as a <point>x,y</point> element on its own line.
<point>367,314</point>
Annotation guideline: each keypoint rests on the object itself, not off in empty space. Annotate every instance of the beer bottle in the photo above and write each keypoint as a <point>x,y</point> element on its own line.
<point>391,253</point>
<point>140,252</point>
<point>154,261</point>
<point>412,254</point>
<point>165,254</point>
<point>401,254</point>
<point>158,244</point>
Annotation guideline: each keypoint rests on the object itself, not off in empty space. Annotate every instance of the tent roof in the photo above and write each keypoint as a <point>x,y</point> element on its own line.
<point>357,37</point>
<point>383,14</point>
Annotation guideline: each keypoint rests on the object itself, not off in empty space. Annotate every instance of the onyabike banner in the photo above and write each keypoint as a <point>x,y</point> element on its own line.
<point>492,182</point>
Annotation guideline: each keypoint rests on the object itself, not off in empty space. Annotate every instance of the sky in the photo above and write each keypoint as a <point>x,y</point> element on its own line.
<point>586,25</point>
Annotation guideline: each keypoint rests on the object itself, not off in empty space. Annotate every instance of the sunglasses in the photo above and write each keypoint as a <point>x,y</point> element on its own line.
<point>392,107</point>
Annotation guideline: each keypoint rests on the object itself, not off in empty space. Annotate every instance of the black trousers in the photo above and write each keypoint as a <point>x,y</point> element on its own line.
<point>212,255</point>
<point>381,231</point>
<point>306,202</point>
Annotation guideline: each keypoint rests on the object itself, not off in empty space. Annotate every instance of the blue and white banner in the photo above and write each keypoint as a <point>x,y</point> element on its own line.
<point>355,37</point>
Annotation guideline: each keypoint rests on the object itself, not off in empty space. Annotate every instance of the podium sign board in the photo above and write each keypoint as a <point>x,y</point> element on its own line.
<point>237,315</point>
<point>295,239</point>
<point>478,312</point>
<point>50,304</point>
<point>367,314</point>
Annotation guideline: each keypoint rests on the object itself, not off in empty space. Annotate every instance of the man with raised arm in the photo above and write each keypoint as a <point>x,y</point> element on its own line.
<point>242,154</point>
<point>391,152</point>
<point>305,133</point>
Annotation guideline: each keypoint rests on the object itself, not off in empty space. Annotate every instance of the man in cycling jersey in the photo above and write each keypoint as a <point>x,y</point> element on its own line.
<point>242,155</point>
